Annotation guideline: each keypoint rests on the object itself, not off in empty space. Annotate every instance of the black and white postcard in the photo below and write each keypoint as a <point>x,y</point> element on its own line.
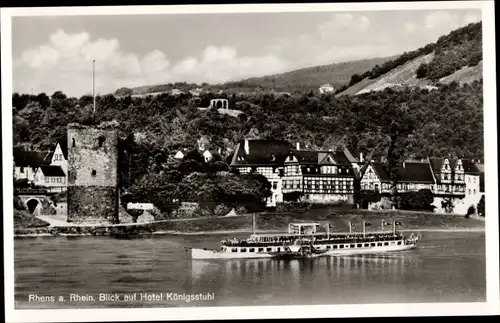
<point>249,161</point>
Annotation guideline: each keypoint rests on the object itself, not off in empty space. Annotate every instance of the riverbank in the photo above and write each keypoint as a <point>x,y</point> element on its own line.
<point>270,222</point>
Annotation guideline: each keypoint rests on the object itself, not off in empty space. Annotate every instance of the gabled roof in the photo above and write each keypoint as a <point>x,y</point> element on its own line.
<point>380,171</point>
<point>63,143</point>
<point>415,172</point>
<point>436,163</point>
<point>261,152</point>
<point>412,172</point>
<point>52,171</point>
<point>315,157</point>
<point>26,158</point>
<point>469,167</point>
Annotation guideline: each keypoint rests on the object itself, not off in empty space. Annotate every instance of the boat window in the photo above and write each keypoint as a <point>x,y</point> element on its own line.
<point>399,243</point>
<point>328,247</point>
<point>335,246</point>
<point>278,249</point>
<point>243,250</point>
<point>353,246</point>
<point>393,243</point>
<point>251,250</point>
<point>379,244</point>
<point>367,244</point>
<point>234,250</point>
<point>261,249</point>
<point>372,244</point>
<point>269,249</point>
<point>341,246</point>
<point>359,245</point>
<point>386,243</point>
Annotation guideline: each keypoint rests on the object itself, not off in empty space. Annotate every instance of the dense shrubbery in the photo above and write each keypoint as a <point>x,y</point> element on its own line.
<point>215,191</point>
<point>417,201</point>
<point>481,211</point>
<point>365,197</point>
<point>410,123</point>
<point>292,196</point>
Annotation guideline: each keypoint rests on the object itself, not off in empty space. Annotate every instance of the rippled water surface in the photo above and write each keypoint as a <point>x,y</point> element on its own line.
<point>447,267</point>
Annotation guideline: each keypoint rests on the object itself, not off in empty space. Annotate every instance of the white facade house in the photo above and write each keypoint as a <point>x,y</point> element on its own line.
<point>179,155</point>
<point>51,177</point>
<point>326,88</point>
<point>211,155</point>
<point>59,158</point>
<point>26,163</point>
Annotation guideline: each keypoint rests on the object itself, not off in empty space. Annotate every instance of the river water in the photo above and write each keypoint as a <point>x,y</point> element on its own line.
<point>446,267</point>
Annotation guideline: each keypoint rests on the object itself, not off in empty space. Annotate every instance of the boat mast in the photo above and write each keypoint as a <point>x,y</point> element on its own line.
<point>382,225</point>
<point>394,227</point>
<point>253,224</point>
<point>364,229</point>
<point>350,227</point>
<point>328,230</point>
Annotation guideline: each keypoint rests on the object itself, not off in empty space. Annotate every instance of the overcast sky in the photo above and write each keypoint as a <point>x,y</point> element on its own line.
<point>56,53</point>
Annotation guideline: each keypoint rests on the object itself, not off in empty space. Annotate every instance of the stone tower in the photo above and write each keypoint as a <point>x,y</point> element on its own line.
<point>93,173</point>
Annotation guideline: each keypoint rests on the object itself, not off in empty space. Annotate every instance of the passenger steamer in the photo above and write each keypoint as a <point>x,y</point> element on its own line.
<point>304,241</point>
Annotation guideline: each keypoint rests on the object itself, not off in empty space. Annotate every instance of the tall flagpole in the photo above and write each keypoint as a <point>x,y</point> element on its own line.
<point>364,229</point>
<point>350,227</point>
<point>394,227</point>
<point>93,87</point>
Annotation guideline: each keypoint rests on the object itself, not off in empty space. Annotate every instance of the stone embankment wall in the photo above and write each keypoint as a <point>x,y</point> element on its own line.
<point>94,204</point>
<point>121,231</point>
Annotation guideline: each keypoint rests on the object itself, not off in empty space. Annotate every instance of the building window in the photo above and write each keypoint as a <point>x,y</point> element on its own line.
<point>474,191</point>
<point>469,191</point>
<point>101,140</point>
<point>275,185</point>
<point>73,143</point>
<point>46,179</point>
<point>94,172</point>
<point>474,180</point>
<point>22,170</point>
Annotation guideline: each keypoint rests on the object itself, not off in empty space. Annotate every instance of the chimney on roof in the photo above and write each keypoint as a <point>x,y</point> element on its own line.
<point>298,146</point>
<point>361,157</point>
<point>247,147</point>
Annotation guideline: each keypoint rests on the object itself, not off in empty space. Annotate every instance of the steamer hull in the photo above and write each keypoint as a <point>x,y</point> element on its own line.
<point>299,244</point>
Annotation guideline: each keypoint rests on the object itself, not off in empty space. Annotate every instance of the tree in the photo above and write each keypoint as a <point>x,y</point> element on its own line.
<point>481,211</point>
<point>422,70</point>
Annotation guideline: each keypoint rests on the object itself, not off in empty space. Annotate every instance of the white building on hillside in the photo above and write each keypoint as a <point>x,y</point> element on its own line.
<point>326,88</point>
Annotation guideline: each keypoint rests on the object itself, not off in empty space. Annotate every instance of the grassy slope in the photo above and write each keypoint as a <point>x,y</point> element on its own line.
<point>336,74</point>
<point>458,47</point>
<point>465,74</point>
<point>23,220</point>
<point>313,77</point>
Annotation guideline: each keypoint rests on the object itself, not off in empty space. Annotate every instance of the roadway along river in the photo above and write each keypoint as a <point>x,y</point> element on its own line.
<point>447,267</point>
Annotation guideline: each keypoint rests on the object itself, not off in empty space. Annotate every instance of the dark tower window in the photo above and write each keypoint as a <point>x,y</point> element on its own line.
<point>101,140</point>
<point>73,142</point>
<point>94,173</point>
